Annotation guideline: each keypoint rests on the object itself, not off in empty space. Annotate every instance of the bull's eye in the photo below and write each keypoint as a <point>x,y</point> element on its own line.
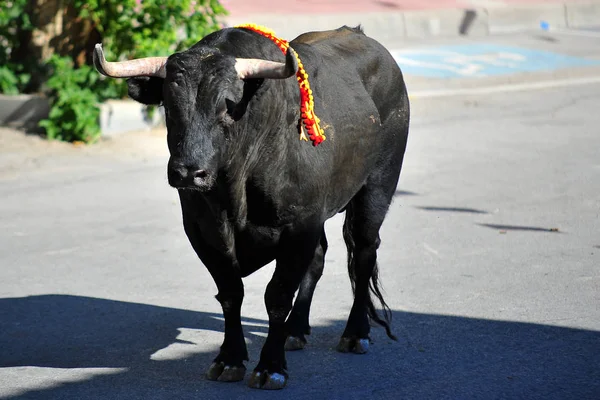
<point>224,112</point>
<point>235,110</point>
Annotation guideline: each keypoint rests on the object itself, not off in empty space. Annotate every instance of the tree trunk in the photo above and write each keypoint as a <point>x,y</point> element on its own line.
<point>57,29</point>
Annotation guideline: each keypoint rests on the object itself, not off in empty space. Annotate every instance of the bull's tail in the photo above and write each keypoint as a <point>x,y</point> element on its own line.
<point>374,287</point>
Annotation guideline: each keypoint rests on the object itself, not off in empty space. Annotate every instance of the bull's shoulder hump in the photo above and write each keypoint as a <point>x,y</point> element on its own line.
<point>327,36</point>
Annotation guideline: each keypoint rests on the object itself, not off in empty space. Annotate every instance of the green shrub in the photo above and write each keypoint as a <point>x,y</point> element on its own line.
<point>9,82</point>
<point>74,113</point>
<point>12,15</point>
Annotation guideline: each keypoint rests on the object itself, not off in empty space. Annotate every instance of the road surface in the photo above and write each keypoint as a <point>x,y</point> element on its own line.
<point>489,256</point>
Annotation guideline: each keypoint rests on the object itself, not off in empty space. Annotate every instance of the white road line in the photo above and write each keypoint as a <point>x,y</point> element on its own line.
<point>61,251</point>
<point>514,87</point>
<point>431,250</point>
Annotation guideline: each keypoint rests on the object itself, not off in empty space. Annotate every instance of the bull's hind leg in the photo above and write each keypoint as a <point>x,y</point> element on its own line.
<point>364,217</point>
<point>295,254</point>
<point>297,323</point>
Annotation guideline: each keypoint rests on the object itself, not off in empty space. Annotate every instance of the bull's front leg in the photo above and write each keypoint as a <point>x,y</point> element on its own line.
<point>295,253</point>
<point>228,366</point>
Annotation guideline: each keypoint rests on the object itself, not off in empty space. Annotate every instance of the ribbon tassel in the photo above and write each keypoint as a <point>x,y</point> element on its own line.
<point>307,105</point>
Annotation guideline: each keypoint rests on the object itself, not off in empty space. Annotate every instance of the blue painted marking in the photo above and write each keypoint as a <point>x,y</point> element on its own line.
<point>479,60</point>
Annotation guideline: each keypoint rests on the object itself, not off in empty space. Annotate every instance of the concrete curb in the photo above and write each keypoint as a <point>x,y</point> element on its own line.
<point>25,111</point>
<point>476,21</point>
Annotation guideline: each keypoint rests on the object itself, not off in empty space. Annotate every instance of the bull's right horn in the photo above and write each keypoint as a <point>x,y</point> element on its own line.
<point>149,66</point>
<point>252,68</point>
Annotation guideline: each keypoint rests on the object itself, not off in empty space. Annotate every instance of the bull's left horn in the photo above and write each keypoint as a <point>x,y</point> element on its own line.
<point>252,68</point>
<point>149,66</point>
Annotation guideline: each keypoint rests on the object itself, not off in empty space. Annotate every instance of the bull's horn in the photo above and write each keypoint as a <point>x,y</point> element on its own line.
<point>150,66</point>
<point>249,68</point>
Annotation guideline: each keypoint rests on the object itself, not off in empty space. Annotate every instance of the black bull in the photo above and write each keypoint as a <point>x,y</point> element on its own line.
<point>251,191</point>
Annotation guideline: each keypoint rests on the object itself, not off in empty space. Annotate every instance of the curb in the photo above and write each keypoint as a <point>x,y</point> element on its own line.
<point>24,112</point>
<point>475,21</point>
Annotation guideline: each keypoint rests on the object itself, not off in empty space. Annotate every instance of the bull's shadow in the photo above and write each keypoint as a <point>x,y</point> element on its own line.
<point>436,357</point>
<point>62,331</point>
<point>70,332</point>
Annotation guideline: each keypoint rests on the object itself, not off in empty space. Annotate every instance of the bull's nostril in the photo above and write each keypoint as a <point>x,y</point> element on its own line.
<point>183,175</point>
<point>201,174</point>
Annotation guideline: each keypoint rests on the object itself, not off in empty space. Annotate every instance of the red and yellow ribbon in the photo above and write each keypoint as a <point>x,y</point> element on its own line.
<point>307,105</point>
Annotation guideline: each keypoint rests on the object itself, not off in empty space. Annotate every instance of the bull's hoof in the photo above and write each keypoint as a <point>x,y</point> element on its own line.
<point>294,343</point>
<point>267,381</point>
<point>354,345</point>
<point>218,371</point>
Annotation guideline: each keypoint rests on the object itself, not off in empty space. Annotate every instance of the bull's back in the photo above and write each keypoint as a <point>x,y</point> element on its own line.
<point>360,97</point>
<point>354,53</point>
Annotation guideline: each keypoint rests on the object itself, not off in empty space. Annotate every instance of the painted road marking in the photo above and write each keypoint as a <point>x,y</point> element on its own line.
<point>481,60</point>
<point>515,87</point>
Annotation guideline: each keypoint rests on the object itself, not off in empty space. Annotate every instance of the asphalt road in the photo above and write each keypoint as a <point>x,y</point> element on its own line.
<point>489,260</point>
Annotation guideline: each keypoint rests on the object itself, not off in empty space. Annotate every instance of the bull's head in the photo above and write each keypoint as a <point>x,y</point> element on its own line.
<point>202,93</point>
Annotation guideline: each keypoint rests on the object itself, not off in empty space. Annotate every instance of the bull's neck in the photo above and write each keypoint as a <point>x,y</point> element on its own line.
<point>261,139</point>
<point>309,120</point>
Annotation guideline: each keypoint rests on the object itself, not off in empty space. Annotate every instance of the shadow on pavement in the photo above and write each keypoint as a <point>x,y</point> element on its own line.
<point>453,209</point>
<point>520,228</point>
<point>436,356</point>
<point>404,193</point>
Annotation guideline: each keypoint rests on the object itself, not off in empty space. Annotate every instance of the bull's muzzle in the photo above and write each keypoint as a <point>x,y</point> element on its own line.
<point>189,177</point>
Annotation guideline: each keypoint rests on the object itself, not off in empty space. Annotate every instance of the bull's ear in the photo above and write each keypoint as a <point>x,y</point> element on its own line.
<point>146,89</point>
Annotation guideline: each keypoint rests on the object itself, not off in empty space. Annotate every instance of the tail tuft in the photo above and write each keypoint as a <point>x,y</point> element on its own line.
<point>374,286</point>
